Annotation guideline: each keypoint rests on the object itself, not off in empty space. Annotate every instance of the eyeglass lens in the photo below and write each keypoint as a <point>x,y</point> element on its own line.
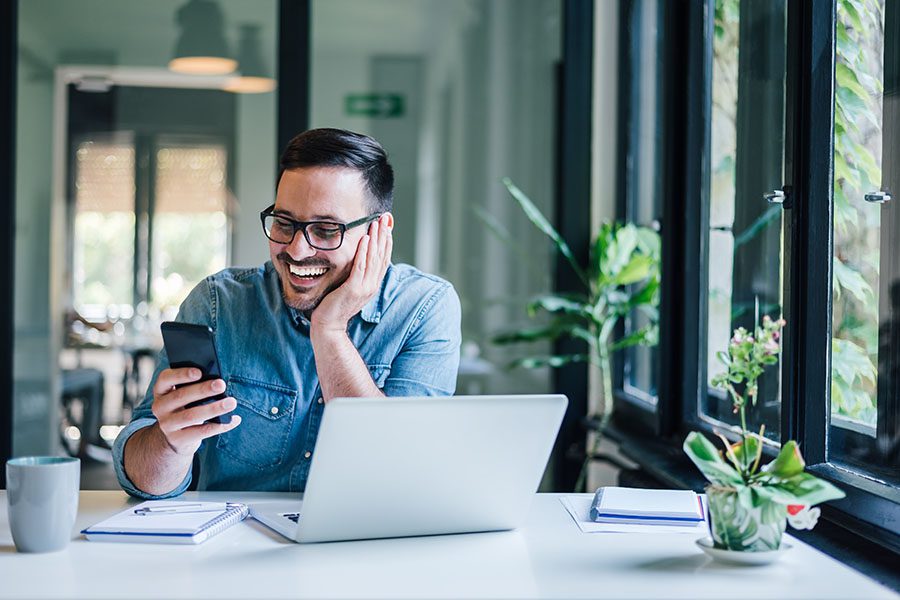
<point>324,236</point>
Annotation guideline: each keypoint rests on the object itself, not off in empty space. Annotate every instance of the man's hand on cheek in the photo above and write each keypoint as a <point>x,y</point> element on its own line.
<point>373,255</point>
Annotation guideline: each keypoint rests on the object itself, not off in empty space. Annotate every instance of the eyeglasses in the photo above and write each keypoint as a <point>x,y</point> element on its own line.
<point>321,235</point>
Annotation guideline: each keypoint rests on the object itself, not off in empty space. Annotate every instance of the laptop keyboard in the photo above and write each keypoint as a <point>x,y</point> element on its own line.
<point>295,517</point>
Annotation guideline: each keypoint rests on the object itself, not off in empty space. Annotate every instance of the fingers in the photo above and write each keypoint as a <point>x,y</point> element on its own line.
<point>208,430</point>
<point>378,252</point>
<point>197,415</point>
<point>373,254</point>
<point>176,399</point>
<point>180,424</point>
<point>169,378</point>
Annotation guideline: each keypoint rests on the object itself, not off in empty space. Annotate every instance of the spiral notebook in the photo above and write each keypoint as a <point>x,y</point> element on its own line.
<point>646,507</point>
<point>168,522</point>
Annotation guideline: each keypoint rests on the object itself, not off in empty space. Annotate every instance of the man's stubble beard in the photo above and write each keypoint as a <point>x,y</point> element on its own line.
<point>306,307</point>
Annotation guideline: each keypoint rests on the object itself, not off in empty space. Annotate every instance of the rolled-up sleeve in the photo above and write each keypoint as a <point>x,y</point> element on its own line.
<point>428,361</point>
<point>195,309</point>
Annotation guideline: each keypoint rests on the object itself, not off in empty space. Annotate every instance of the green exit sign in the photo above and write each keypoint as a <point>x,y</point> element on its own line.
<point>380,106</point>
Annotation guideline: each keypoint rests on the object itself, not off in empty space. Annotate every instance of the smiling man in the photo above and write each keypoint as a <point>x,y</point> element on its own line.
<point>328,316</point>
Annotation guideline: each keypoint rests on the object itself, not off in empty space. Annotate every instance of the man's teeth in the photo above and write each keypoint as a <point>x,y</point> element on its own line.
<point>307,271</point>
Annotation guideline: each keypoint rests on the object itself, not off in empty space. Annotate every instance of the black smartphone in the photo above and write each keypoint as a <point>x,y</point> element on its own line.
<point>189,345</point>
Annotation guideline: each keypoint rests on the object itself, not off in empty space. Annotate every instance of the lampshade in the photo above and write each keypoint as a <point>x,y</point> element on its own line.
<point>201,48</point>
<point>254,78</point>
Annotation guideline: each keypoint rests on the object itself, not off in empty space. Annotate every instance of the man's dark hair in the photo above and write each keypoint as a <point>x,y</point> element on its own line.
<point>341,148</point>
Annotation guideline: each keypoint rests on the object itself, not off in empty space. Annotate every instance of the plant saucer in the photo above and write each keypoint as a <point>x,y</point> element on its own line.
<point>738,557</point>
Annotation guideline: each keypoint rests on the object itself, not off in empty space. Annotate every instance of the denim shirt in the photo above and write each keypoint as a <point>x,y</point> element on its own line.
<point>408,335</point>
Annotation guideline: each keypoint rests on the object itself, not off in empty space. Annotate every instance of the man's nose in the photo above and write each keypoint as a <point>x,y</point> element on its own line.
<point>299,248</point>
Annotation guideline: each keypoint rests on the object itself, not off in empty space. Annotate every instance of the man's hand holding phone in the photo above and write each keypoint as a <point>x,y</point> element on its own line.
<point>183,426</point>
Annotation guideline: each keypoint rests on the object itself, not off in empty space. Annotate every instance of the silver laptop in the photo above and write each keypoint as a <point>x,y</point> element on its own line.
<point>395,467</point>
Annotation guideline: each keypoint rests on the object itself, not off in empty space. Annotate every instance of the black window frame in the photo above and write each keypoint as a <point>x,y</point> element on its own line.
<point>871,507</point>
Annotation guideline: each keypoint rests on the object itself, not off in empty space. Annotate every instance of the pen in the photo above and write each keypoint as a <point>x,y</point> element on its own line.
<point>181,509</point>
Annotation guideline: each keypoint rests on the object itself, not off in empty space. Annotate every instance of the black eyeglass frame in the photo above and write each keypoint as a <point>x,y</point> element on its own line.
<point>302,225</point>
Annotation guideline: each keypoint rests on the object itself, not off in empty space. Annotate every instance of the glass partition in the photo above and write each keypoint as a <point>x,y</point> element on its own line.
<point>134,181</point>
<point>461,94</point>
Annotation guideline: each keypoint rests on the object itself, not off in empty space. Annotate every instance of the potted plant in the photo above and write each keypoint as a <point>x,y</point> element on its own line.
<point>622,276</point>
<point>749,503</point>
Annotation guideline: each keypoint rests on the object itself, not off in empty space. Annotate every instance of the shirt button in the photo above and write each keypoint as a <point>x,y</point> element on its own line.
<point>307,455</point>
<point>320,401</point>
<point>274,410</point>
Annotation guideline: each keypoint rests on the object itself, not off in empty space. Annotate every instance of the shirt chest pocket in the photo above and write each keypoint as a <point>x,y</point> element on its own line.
<point>267,415</point>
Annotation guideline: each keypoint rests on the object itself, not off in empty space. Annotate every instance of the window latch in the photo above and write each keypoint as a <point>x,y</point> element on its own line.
<point>777,196</point>
<point>878,197</point>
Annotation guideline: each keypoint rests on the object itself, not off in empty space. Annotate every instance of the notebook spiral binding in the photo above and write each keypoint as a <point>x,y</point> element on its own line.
<point>235,513</point>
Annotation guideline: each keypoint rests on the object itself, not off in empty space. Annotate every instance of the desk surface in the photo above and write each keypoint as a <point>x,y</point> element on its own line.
<point>549,558</point>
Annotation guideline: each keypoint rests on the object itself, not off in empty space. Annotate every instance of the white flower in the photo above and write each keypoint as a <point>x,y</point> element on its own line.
<point>805,518</point>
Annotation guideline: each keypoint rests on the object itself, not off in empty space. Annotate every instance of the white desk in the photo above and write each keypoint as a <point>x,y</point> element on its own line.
<point>548,558</point>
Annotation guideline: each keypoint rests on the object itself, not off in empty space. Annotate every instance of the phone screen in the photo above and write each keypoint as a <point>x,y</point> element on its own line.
<point>189,345</point>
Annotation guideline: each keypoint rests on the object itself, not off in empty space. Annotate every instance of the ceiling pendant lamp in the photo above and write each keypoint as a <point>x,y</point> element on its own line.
<point>254,78</point>
<point>201,48</point>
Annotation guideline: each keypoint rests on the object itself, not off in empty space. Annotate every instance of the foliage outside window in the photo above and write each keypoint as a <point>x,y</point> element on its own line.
<point>857,156</point>
<point>857,159</point>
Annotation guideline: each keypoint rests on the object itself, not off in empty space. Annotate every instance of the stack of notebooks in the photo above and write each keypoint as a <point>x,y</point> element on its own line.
<point>646,507</point>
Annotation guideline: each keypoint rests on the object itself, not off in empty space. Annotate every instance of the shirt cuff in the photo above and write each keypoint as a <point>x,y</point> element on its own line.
<point>118,452</point>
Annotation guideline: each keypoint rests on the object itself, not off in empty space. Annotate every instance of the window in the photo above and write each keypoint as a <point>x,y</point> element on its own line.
<point>103,276</point>
<point>784,204</point>
<point>865,423</point>
<point>640,185</point>
<point>745,167</point>
<point>190,226</point>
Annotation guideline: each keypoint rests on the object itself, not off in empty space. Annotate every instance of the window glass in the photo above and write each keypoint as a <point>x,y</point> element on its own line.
<point>104,228</point>
<point>746,163</point>
<point>133,182</point>
<point>461,95</point>
<point>644,176</point>
<point>866,289</point>
<point>189,221</point>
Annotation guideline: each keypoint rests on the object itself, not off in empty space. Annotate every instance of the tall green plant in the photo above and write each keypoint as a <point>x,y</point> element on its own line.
<point>622,277</point>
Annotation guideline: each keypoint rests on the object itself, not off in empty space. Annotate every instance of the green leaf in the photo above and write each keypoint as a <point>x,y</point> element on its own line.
<point>539,221</point>
<point>851,364</point>
<point>649,242</point>
<point>788,463</point>
<point>846,78</point>
<point>644,335</point>
<point>647,295</point>
<point>527,335</point>
<point>535,362</point>
<point>704,454</point>
<point>807,489</point>
<point>638,268</point>
<point>745,452</point>
<point>599,248</point>
<point>559,304</point>
<point>852,281</point>
<point>853,15</point>
<point>502,233</point>
<point>618,254</point>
